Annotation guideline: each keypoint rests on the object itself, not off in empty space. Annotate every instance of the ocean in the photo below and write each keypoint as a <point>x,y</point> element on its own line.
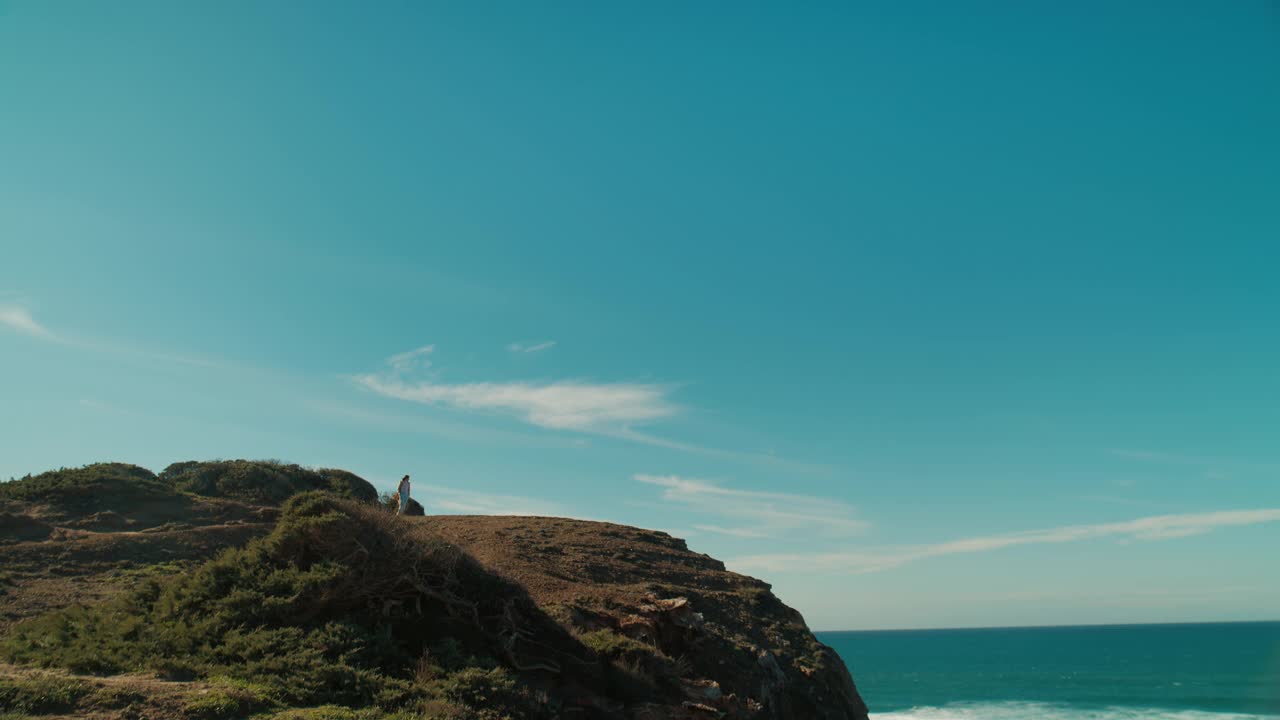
<point>1211,671</point>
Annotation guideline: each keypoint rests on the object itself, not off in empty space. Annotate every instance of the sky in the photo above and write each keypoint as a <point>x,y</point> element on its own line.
<point>930,314</point>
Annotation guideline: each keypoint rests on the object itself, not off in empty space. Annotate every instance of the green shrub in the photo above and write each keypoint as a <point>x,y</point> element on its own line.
<point>90,488</point>
<point>439,709</point>
<point>612,644</point>
<point>41,694</point>
<point>633,669</point>
<point>479,688</point>
<point>340,604</point>
<point>263,481</point>
<point>216,705</point>
<point>337,712</point>
<point>83,491</point>
<point>115,698</point>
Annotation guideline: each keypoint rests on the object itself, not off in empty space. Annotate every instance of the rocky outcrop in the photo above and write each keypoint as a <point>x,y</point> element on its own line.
<point>734,650</point>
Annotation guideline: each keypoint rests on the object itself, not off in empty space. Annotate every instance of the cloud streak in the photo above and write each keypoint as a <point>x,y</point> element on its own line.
<point>18,318</point>
<point>1157,527</point>
<point>527,349</point>
<point>613,410</point>
<point>412,360</point>
<point>602,408</point>
<point>754,513</point>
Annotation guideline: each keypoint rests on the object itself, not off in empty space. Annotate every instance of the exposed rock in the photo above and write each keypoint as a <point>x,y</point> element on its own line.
<point>703,690</point>
<point>719,631</point>
<point>703,708</point>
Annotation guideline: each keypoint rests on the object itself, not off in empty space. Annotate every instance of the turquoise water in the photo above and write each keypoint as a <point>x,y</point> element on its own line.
<point>1218,671</point>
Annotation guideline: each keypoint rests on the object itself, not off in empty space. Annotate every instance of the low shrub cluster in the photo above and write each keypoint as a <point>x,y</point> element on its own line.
<point>342,604</point>
<point>263,481</point>
<point>82,489</point>
<point>92,492</point>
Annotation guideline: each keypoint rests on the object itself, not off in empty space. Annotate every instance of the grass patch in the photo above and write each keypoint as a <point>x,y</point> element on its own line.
<point>41,694</point>
<point>611,644</point>
<point>154,570</point>
<point>754,592</point>
<point>337,712</point>
<point>115,698</point>
<point>218,704</point>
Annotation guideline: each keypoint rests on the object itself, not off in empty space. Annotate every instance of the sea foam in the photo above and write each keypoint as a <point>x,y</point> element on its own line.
<point>1051,711</point>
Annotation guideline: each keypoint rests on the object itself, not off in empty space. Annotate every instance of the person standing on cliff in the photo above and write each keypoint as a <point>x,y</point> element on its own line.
<point>403,492</point>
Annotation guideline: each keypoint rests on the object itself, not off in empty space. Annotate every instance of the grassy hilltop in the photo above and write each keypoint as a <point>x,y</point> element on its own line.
<point>237,589</point>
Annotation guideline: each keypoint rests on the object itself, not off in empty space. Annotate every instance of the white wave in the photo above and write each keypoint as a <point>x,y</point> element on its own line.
<point>1052,711</point>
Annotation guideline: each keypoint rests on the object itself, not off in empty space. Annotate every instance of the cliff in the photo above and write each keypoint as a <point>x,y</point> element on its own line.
<point>114,583</point>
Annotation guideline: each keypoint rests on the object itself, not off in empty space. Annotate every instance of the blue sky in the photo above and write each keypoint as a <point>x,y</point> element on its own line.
<point>931,314</point>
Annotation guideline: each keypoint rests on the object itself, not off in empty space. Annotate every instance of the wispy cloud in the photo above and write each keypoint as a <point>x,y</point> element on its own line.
<point>603,408</point>
<point>756,513</point>
<point>1158,527</point>
<point>527,348</point>
<point>16,317</point>
<point>412,360</point>
<point>451,429</point>
<point>567,405</point>
<point>614,410</point>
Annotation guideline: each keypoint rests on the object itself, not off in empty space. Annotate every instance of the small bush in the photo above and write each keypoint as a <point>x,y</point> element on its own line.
<point>612,644</point>
<point>115,698</point>
<point>754,594</point>
<point>438,709</point>
<point>479,688</point>
<point>216,705</point>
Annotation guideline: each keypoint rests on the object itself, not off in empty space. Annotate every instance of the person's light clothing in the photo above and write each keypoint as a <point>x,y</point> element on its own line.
<point>403,491</point>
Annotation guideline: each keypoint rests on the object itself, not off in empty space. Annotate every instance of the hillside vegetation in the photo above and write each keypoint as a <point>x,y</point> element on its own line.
<point>340,603</point>
<point>326,605</point>
<point>122,496</point>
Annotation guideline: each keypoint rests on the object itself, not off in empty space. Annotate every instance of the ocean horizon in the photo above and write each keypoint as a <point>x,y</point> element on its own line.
<point>1187,671</point>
